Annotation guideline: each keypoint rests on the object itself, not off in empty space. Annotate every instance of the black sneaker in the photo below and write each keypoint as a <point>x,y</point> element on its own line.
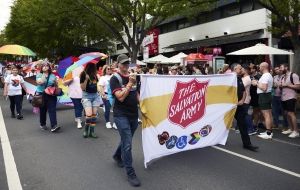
<point>134,181</point>
<point>13,115</point>
<point>44,127</point>
<point>55,129</point>
<point>19,116</point>
<point>251,148</point>
<point>118,161</point>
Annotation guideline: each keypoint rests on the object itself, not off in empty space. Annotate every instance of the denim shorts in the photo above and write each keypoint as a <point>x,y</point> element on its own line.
<point>90,100</point>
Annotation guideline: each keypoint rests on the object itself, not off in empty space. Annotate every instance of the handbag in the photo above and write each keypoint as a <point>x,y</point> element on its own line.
<point>38,98</point>
<point>54,91</point>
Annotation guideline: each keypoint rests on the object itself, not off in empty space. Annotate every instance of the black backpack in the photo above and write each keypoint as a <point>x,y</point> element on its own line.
<point>292,81</point>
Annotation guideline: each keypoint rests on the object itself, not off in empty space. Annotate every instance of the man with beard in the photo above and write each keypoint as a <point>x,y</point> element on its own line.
<point>290,84</point>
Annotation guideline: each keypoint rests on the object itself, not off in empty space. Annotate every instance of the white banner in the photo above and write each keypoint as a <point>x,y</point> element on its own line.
<point>149,39</point>
<point>185,112</point>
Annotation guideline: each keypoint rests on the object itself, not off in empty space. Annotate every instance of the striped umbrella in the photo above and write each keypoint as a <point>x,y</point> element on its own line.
<point>94,54</point>
<point>80,62</point>
<point>16,50</point>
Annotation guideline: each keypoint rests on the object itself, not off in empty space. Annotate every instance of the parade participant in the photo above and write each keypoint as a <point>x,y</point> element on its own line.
<point>240,114</point>
<point>126,116</point>
<point>247,83</point>
<point>276,100</point>
<point>256,115</point>
<point>75,93</point>
<point>46,79</point>
<point>290,84</point>
<point>196,69</point>
<point>264,88</point>
<point>173,70</point>
<point>103,87</point>
<point>90,98</point>
<point>14,83</point>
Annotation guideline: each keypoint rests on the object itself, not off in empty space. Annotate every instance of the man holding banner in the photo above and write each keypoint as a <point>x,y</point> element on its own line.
<point>240,114</point>
<point>125,111</point>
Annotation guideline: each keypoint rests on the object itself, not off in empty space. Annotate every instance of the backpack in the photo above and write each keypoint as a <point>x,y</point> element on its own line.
<point>292,81</point>
<point>111,97</point>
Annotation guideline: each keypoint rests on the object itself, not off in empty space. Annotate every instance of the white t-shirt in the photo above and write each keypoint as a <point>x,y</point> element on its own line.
<point>104,81</point>
<point>266,78</point>
<point>14,85</point>
<point>247,84</point>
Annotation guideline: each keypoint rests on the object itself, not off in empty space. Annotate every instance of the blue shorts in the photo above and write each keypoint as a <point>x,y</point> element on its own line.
<point>90,100</point>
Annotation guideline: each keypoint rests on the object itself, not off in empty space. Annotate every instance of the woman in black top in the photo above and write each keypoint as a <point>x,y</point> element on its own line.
<point>90,98</point>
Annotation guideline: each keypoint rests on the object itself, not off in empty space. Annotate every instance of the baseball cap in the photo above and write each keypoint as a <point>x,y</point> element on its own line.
<point>123,59</point>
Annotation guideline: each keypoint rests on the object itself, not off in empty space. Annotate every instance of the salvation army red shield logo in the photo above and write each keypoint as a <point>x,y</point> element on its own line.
<point>188,102</point>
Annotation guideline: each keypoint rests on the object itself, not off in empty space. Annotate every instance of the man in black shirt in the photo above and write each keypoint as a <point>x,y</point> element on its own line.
<point>125,115</point>
<point>240,114</point>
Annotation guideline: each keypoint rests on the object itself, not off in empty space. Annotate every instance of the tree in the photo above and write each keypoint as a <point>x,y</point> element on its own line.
<point>53,27</point>
<point>130,20</point>
<point>285,19</point>
<point>3,40</point>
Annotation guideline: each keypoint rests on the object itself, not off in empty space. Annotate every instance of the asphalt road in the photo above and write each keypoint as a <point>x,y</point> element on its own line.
<point>66,161</point>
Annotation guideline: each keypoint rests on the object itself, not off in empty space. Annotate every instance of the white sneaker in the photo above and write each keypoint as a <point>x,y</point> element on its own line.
<point>294,134</point>
<point>115,126</point>
<point>78,121</point>
<point>266,136</point>
<point>108,125</point>
<point>263,133</point>
<point>289,131</point>
<point>79,126</point>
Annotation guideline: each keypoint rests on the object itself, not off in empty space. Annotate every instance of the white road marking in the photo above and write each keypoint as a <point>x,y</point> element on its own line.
<point>285,142</point>
<point>275,139</point>
<point>13,179</point>
<point>258,162</point>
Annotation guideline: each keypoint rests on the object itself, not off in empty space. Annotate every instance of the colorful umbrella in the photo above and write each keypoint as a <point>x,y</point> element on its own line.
<point>79,63</point>
<point>64,64</point>
<point>94,54</point>
<point>16,50</point>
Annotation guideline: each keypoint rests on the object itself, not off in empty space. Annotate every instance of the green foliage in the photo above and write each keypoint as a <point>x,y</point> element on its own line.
<point>49,27</point>
<point>137,17</point>
<point>285,17</point>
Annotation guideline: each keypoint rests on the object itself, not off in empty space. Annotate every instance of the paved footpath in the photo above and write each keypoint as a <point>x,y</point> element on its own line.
<point>66,161</point>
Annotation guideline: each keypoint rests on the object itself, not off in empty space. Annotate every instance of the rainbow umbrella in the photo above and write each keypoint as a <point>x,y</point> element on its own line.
<point>79,63</point>
<point>16,50</point>
<point>94,54</point>
<point>64,64</point>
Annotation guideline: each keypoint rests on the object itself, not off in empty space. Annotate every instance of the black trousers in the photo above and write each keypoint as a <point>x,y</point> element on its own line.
<point>50,107</point>
<point>240,116</point>
<point>16,103</point>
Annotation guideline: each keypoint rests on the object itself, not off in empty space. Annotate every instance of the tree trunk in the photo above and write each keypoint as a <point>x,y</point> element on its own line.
<point>135,51</point>
<point>296,64</point>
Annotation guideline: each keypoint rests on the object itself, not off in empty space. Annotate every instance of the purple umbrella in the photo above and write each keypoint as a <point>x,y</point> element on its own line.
<point>64,64</point>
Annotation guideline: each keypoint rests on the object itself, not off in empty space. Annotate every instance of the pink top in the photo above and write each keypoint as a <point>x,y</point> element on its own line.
<point>75,89</point>
<point>288,93</point>
<point>247,84</point>
<point>277,81</point>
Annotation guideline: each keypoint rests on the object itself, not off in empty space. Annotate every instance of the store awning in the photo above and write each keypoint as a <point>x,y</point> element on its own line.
<point>228,39</point>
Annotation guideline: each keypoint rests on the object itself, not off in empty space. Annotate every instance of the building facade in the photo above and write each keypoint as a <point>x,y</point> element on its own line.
<point>233,25</point>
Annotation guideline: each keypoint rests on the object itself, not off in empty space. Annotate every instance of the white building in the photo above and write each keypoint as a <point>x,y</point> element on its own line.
<point>232,26</point>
